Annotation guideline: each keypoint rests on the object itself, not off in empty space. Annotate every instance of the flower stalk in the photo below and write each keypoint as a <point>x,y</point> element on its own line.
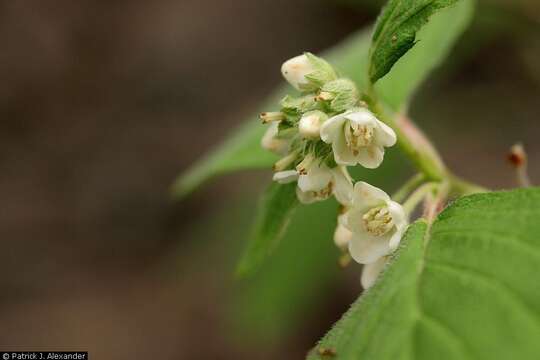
<point>418,196</point>
<point>420,151</point>
<point>409,187</point>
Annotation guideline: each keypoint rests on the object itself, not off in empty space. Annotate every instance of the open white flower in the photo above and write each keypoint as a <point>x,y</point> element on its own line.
<point>358,137</point>
<point>317,181</point>
<point>377,224</point>
<point>272,143</point>
<point>371,272</point>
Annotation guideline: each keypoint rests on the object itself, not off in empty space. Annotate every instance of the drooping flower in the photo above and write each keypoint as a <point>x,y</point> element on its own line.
<point>358,137</point>
<point>371,272</point>
<point>271,142</point>
<point>307,72</point>
<point>317,182</point>
<point>377,224</point>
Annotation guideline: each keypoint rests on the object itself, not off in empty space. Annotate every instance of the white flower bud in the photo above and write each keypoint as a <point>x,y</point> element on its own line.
<point>285,177</point>
<point>295,71</point>
<point>371,272</point>
<point>307,72</point>
<point>342,235</point>
<point>272,143</point>
<point>274,116</point>
<point>309,126</point>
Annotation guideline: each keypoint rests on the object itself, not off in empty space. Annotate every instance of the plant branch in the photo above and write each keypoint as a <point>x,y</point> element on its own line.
<point>409,187</point>
<point>418,196</point>
<point>420,151</point>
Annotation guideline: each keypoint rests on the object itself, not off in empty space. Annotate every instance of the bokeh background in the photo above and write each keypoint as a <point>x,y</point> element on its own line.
<point>103,103</point>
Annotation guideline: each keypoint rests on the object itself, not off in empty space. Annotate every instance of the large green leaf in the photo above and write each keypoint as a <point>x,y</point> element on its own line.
<point>275,210</point>
<point>289,286</point>
<point>395,31</point>
<point>465,289</point>
<point>241,151</point>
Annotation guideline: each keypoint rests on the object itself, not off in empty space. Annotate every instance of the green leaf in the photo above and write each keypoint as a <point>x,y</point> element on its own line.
<point>395,32</point>
<point>470,293</point>
<point>275,210</point>
<point>434,42</point>
<point>293,283</point>
<point>242,151</point>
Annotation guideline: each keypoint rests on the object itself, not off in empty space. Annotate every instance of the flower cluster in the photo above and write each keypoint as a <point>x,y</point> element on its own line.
<point>321,132</point>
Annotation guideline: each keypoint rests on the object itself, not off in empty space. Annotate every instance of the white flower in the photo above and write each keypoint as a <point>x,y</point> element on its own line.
<point>307,72</point>
<point>317,181</point>
<point>377,223</point>
<point>309,125</point>
<point>371,272</point>
<point>272,143</point>
<point>358,137</point>
<point>295,70</point>
<point>342,235</point>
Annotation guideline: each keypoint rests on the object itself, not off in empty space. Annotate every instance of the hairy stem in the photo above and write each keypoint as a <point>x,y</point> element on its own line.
<point>418,196</point>
<point>409,187</point>
<point>416,146</point>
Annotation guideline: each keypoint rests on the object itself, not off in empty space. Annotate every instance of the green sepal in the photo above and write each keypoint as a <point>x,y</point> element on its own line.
<point>323,73</point>
<point>345,93</point>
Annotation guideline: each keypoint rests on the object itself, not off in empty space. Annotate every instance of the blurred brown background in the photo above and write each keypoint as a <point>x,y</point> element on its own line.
<point>103,103</point>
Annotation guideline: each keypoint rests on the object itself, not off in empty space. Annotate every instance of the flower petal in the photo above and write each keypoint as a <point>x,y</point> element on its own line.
<point>400,221</point>
<point>353,220</point>
<point>342,236</point>
<point>342,219</point>
<point>295,70</point>
<point>368,196</point>
<point>370,157</point>
<point>332,129</point>
<point>399,217</point>
<point>307,197</point>
<point>316,179</point>
<point>384,135</point>
<point>366,249</point>
<point>362,117</point>
<point>342,153</point>
<point>343,187</point>
<point>371,272</point>
<point>286,177</point>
